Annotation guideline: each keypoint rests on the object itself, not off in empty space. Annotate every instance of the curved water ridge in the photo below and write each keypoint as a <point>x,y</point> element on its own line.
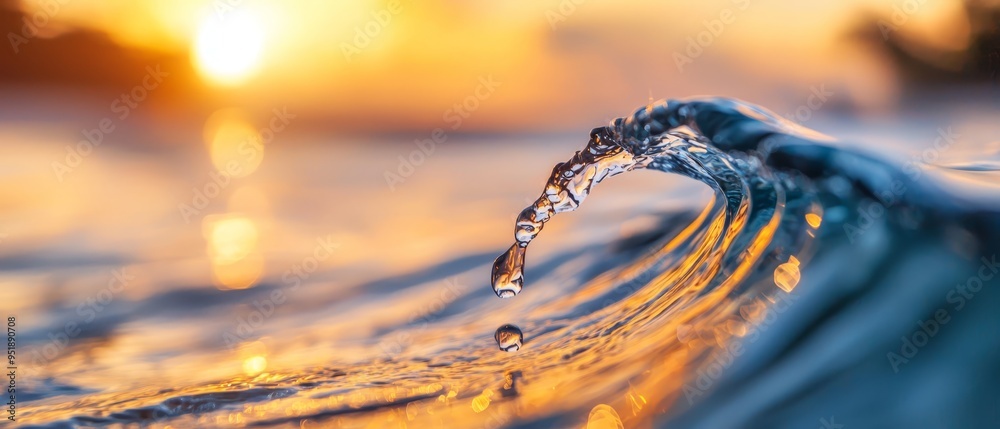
<point>641,141</point>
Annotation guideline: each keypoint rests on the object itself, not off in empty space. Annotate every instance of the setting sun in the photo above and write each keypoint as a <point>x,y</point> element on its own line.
<point>228,47</point>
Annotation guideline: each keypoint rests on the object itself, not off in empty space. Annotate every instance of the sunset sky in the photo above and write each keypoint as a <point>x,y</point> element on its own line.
<point>560,65</point>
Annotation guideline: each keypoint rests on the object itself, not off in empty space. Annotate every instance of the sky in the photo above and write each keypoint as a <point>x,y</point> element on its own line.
<point>552,65</point>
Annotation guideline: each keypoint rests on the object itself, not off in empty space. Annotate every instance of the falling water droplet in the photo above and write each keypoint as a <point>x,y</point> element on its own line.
<point>507,272</point>
<point>509,338</point>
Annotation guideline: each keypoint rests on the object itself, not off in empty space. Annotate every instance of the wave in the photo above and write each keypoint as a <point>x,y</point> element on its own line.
<point>819,286</point>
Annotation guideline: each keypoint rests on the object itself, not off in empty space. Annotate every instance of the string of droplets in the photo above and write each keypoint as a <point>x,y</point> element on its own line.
<point>567,187</point>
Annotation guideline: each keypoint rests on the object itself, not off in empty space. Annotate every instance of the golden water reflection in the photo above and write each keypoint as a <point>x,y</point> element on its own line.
<point>235,146</point>
<point>482,401</point>
<point>232,250</point>
<point>787,275</point>
<point>814,220</point>
<point>319,327</point>
<point>604,416</point>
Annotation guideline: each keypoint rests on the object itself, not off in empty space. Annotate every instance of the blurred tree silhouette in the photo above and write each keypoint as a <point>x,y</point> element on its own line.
<point>922,64</point>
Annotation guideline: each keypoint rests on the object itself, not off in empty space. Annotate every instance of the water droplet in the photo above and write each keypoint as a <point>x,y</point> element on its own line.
<point>509,338</point>
<point>507,277</point>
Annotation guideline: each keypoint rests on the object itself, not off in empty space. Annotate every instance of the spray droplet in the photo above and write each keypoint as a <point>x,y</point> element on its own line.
<point>509,338</point>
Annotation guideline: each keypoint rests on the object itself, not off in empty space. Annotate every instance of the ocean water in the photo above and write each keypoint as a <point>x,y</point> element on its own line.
<point>738,271</point>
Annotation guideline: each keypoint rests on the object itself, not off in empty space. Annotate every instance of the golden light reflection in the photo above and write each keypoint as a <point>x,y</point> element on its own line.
<point>447,398</point>
<point>787,275</point>
<point>242,274</point>
<point>814,220</point>
<point>736,328</point>
<point>604,417</point>
<point>254,357</point>
<point>254,365</point>
<point>636,400</point>
<point>232,241</point>
<point>235,146</point>
<point>482,401</point>
<point>227,48</point>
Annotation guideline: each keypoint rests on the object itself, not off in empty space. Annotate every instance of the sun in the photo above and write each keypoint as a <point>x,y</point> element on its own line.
<point>227,48</point>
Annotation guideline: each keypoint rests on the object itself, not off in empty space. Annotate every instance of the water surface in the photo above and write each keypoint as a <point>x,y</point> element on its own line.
<point>757,274</point>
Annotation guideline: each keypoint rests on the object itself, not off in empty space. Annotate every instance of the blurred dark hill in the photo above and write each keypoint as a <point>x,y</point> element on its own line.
<point>90,67</point>
<point>79,58</point>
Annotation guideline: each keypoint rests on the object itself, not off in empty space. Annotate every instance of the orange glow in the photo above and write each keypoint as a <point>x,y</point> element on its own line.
<point>636,400</point>
<point>814,220</point>
<point>241,274</point>
<point>787,275</point>
<point>482,401</point>
<point>604,417</point>
<point>235,146</point>
<point>227,49</point>
<point>254,365</point>
<point>232,243</point>
<point>358,61</point>
<point>254,357</point>
<point>232,239</point>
